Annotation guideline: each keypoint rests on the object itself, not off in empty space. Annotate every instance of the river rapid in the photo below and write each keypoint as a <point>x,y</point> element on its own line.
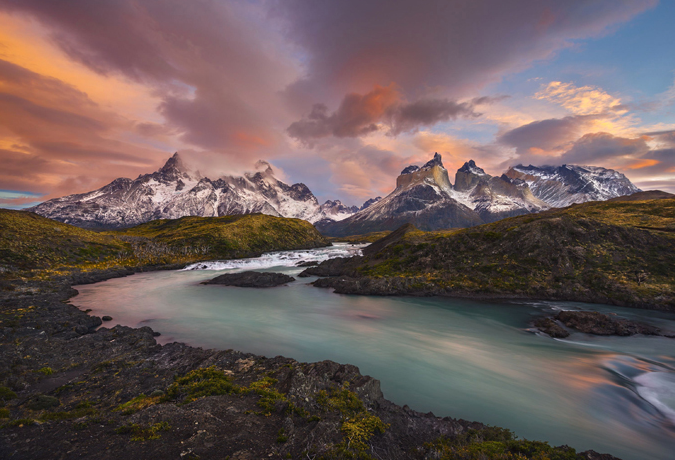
<point>476,360</point>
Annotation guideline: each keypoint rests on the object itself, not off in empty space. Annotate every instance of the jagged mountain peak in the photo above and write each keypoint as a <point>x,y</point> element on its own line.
<point>410,169</point>
<point>175,163</point>
<point>370,202</point>
<point>432,174</point>
<point>435,161</point>
<point>262,165</point>
<point>471,167</point>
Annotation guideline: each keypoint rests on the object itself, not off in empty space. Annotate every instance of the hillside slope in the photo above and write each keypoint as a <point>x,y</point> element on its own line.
<point>620,253</point>
<point>31,242</point>
<point>228,236</point>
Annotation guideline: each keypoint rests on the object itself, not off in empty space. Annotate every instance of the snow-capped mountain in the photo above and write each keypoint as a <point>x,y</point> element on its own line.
<point>423,197</point>
<point>561,186</point>
<point>173,191</point>
<point>370,202</point>
<point>426,198</point>
<point>335,210</point>
<point>494,198</point>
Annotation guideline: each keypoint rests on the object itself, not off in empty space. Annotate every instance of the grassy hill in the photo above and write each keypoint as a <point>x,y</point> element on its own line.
<point>618,252</point>
<point>30,243</point>
<point>226,237</point>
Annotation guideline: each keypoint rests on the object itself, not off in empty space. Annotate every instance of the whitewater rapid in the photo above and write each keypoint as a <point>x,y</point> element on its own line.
<point>282,258</point>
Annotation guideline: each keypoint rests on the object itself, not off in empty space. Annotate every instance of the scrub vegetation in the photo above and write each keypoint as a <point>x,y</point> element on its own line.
<point>34,245</point>
<point>615,252</point>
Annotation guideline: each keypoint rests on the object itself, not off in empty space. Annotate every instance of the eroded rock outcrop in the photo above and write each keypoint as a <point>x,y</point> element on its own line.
<point>251,279</point>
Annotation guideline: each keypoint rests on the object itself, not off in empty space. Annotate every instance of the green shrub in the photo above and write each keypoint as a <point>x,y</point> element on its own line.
<point>143,433</point>
<point>139,402</point>
<point>357,425</point>
<point>43,402</point>
<point>494,443</point>
<point>21,422</point>
<point>198,383</point>
<point>6,394</point>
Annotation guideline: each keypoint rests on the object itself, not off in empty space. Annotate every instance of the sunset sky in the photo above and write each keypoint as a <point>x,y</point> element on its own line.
<point>339,95</point>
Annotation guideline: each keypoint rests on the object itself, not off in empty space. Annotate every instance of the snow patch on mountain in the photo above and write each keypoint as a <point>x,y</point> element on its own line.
<point>561,186</point>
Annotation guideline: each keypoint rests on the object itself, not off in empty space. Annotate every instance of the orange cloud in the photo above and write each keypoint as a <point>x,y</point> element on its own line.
<point>644,163</point>
<point>248,140</point>
<point>584,100</point>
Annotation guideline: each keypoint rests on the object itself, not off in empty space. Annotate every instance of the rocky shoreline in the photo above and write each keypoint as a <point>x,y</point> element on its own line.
<point>344,278</point>
<point>595,323</point>
<point>71,390</point>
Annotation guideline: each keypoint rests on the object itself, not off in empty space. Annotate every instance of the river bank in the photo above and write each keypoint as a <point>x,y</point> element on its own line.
<point>74,391</point>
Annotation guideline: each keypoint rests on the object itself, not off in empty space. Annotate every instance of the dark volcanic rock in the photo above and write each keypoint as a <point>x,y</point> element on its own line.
<point>384,286</point>
<point>332,267</point>
<point>593,322</point>
<point>251,279</point>
<point>106,318</point>
<point>550,327</point>
<point>308,263</point>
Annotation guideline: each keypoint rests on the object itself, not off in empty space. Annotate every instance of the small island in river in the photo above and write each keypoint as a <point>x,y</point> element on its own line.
<point>251,279</point>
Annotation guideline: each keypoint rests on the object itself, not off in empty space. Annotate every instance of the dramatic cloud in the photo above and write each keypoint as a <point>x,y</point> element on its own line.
<point>545,135</point>
<point>601,148</point>
<point>359,115</point>
<point>90,91</point>
<point>458,46</point>
<point>56,132</point>
<point>214,68</point>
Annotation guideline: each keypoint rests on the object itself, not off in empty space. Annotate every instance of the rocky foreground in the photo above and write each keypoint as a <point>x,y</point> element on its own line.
<point>595,323</point>
<point>70,390</point>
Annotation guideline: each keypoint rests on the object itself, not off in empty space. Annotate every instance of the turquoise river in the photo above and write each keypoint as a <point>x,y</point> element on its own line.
<point>475,360</point>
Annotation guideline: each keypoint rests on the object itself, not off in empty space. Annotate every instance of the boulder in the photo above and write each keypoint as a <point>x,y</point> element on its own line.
<point>251,279</point>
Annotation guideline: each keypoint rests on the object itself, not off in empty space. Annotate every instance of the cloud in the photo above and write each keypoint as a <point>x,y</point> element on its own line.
<point>360,115</point>
<point>351,46</point>
<point>584,100</point>
<point>53,132</point>
<point>599,148</point>
<point>216,70</point>
<point>545,135</point>
<point>228,82</point>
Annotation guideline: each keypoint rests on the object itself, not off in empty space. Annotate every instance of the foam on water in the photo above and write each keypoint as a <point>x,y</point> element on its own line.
<point>658,388</point>
<point>281,258</point>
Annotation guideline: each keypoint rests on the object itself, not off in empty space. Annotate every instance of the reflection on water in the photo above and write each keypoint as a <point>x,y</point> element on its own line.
<point>471,360</point>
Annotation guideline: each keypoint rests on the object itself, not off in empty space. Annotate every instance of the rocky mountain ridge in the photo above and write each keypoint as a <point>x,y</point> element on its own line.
<point>425,197</point>
<point>173,192</point>
<point>561,186</point>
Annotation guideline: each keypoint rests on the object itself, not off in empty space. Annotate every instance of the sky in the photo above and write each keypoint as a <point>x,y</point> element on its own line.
<point>339,95</point>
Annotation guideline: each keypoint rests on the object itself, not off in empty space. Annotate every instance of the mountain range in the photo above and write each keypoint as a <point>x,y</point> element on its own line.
<point>424,196</point>
<point>174,191</point>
